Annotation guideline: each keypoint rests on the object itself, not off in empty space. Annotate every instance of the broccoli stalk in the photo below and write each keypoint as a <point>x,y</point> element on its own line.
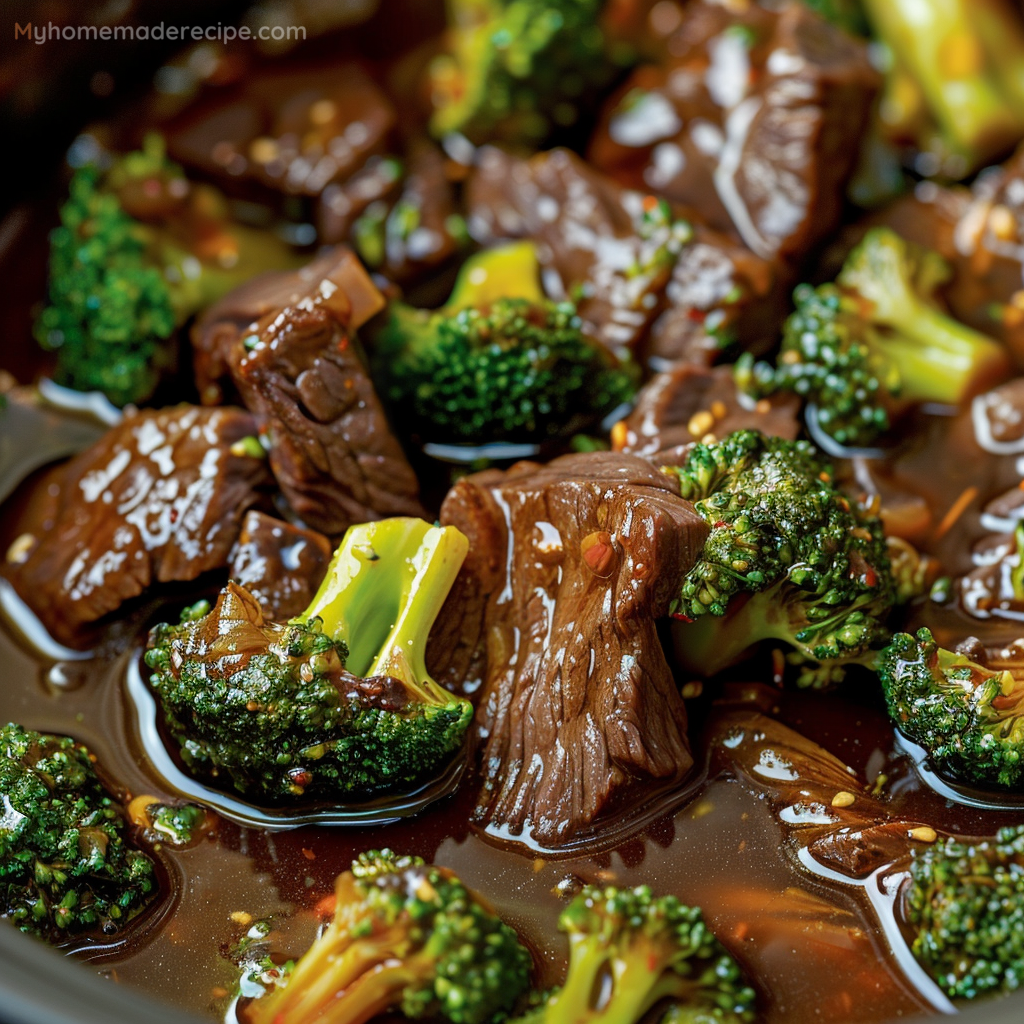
<point>65,862</point>
<point>876,337</point>
<point>965,903</point>
<point>967,59</point>
<point>967,714</point>
<point>630,950</point>
<point>517,70</point>
<point>498,362</point>
<point>405,936</point>
<point>138,251</point>
<point>336,702</point>
<point>788,558</point>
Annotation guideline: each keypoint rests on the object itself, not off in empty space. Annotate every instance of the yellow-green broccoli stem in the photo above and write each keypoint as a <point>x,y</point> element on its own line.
<point>967,57</point>
<point>384,588</point>
<point>934,357</point>
<point>509,271</point>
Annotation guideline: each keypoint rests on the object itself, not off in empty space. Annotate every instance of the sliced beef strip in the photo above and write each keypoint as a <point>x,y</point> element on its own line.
<point>593,249</point>
<point>280,564</point>
<point>298,370</point>
<point>220,326</point>
<point>689,402</point>
<point>573,563</point>
<point>748,121</point>
<point>159,498</point>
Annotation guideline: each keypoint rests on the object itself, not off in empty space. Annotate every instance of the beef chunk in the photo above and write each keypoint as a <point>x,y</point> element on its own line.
<point>405,230</point>
<point>216,331</point>
<point>749,121</point>
<point>687,403</point>
<point>598,246</point>
<point>281,565</point>
<point>573,563</point>
<point>159,498</point>
<point>286,133</point>
<point>298,370</point>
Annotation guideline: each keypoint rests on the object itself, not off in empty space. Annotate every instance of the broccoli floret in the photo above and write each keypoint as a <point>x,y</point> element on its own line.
<point>338,701</point>
<point>138,251</point>
<point>518,69</point>
<point>968,716</point>
<point>965,60</point>
<point>875,336</point>
<point>965,902</point>
<point>788,558</point>
<point>406,936</point>
<point>498,362</point>
<point>66,865</point>
<point>177,824</point>
<point>630,950</point>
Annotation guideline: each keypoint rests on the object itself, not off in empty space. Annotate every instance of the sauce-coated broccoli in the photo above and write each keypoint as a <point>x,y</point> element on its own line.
<point>139,250</point>
<point>875,337</point>
<point>965,902</point>
<point>499,362</point>
<point>788,558</point>
<point>335,703</point>
<point>967,713</point>
<point>630,950</point>
<point>66,865</point>
<point>405,936</point>
<point>518,69</point>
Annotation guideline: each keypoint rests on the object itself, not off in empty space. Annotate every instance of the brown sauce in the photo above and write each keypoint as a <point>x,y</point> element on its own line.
<point>813,947</point>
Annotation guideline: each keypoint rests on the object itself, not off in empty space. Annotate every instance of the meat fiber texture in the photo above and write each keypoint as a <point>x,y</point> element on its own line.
<point>571,565</point>
<point>159,498</point>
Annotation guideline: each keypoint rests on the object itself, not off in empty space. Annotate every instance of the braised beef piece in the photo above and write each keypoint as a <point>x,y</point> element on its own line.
<point>748,119</point>
<point>220,326</point>
<point>406,230</point>
<point>573,563</point>
<point>327,145</point>
<point>981,232</point>
<point>299,372</point>
<point>280,564</point>
<point>597,247</point>
<point>689,402</point>
<point>810,792</point>
<point>159,498</point>
<point>284,133</point>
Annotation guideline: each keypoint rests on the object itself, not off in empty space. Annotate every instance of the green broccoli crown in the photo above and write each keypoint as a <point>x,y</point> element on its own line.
<point>65,863</point>
<point>405,936</point>
<point>965,901</point>
<point>650,948</point>
<point>339,698</point>
<point>874,336</point>
<point>518,69</point>
<point>788,557</point>
<point>969,717</point>
<point>513,370</point>
<point>110,306</point>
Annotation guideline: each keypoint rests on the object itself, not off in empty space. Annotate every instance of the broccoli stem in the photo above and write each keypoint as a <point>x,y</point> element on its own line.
<point>509,271</point>
<point>384,588</point>
<point>940,44</point>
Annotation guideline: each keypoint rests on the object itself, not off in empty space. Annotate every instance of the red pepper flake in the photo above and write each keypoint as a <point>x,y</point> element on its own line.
<point>308,854</point>
<point>680,617</point>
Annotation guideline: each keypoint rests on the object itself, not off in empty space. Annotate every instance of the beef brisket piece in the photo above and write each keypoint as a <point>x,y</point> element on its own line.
<point>749,122</point>
<point>159,498</point>
<point>689,402</point>
<point>573,563</point>
<point>597,246</point>
<point>298,370</point>
<point>281,565</point>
